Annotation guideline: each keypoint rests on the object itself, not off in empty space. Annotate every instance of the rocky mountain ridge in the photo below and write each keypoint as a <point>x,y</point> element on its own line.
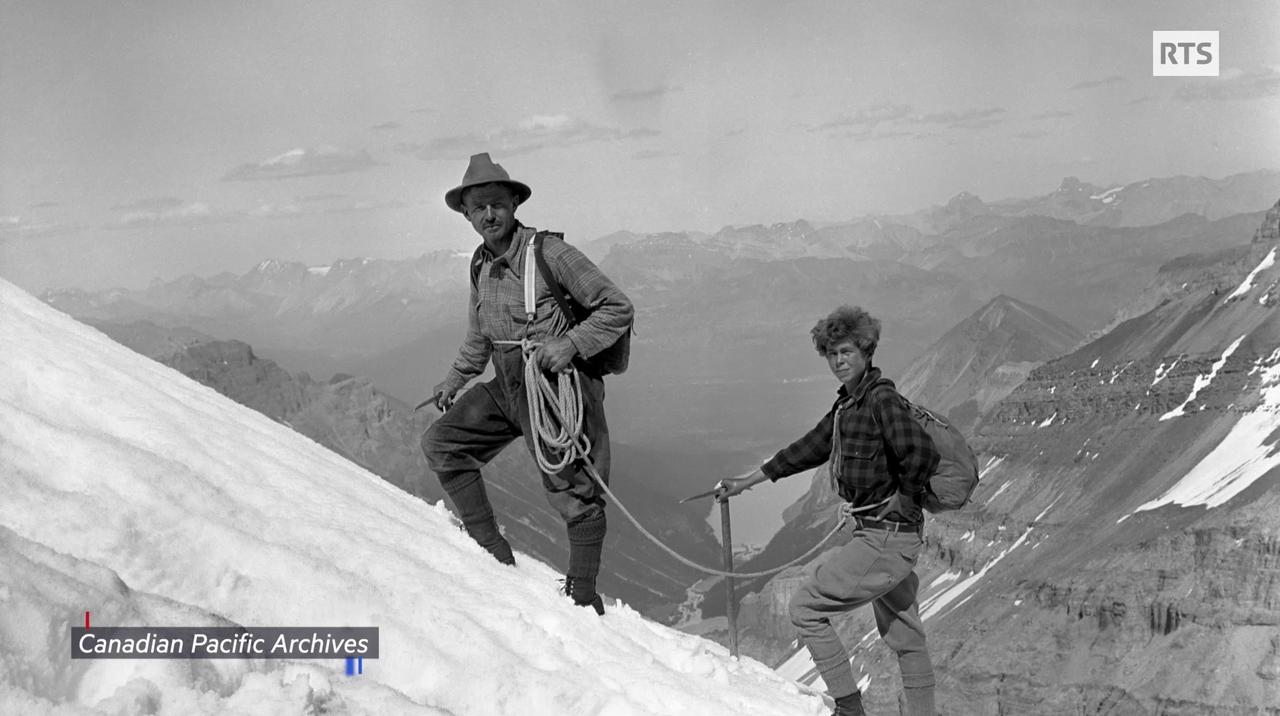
<point>985,357</point>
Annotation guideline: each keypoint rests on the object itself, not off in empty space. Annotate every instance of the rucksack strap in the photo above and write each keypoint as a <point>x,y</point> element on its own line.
<point>557,291</point>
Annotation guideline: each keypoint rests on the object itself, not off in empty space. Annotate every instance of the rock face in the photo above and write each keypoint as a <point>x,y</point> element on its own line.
<point>1122,554</point>
<point>351,417</point>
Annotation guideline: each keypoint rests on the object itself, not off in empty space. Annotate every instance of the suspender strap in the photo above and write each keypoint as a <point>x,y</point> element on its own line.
<point>530,285</point>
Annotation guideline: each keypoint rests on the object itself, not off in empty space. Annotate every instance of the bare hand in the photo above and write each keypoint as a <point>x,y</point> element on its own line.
<point>733,486</point>
<point>442,396</point>
<point>556,354</point>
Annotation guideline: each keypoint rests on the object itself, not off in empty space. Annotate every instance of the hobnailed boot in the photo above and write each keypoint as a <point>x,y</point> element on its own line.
<point>583,593</point>
<point>586,542</point>
<point>471,502</point>
<point>850,705</point>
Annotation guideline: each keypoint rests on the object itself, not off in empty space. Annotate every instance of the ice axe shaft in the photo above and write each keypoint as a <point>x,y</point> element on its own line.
<point>731,601</point>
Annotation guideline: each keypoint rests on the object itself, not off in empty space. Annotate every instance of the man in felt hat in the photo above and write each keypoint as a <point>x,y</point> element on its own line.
<point>488,417</point>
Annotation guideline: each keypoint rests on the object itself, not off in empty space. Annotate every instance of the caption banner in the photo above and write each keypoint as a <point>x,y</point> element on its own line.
<point>224,642</point>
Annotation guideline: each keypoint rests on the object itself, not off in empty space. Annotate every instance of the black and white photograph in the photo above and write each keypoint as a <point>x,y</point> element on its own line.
<point>706,358</point>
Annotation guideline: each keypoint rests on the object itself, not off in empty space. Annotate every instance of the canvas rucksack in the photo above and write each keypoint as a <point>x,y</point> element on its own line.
<point>953,481</point>
<point>610,361</point>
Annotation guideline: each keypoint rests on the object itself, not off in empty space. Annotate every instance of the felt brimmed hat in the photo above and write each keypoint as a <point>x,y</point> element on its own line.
<point>482,170</point>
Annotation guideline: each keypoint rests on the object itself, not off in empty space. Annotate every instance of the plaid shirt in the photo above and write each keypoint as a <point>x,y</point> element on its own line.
<point>496,308</point>
<point>869,463</point>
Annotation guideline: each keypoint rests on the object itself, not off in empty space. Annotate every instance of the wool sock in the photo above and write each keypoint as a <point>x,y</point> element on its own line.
<point>918,701</point>
<point>586,542</point>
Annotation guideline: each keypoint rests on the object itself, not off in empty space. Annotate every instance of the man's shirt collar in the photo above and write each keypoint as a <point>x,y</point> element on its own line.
<point>869,376</point>
<point>519,238</point>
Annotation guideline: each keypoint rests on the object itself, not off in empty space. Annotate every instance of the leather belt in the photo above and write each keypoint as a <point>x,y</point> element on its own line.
<point>888,525</point>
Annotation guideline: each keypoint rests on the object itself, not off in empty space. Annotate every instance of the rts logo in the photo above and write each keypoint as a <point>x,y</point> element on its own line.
<point>1184,53</point>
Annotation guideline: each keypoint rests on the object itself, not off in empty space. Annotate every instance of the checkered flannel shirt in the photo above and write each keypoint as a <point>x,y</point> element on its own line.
<point>495,311</point>
<point>875,455</point>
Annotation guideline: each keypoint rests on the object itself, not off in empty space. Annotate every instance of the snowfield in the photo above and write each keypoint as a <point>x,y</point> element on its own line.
<point>147,499</point>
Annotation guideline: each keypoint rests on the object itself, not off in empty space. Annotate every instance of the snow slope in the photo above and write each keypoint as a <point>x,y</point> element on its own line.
<point>143,497</point>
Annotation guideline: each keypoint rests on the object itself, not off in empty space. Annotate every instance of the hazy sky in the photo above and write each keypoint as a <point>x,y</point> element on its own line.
<point>153,139</point>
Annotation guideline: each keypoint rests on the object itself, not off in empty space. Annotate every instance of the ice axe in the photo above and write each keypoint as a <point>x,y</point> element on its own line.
<point>432,401</point>
<point>726,534</point>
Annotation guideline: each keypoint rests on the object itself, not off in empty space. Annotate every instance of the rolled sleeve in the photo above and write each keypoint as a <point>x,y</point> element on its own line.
<point>473,356</point>
<point>806,453</point>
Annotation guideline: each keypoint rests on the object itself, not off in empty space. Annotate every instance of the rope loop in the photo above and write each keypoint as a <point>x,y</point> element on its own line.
<point>556,415</point>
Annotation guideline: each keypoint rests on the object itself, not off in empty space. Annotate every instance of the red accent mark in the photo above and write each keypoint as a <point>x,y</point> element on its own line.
<point>86,621</point>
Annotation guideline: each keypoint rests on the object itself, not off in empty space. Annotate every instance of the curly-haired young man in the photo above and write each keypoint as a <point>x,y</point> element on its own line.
<point>880,459</point>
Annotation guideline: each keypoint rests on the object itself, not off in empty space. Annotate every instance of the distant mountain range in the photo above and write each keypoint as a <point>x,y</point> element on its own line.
<point>723,318</point>
<point>1121,551</point>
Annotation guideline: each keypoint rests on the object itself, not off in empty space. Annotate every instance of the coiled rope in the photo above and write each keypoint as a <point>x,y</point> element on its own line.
<point>556,414</point>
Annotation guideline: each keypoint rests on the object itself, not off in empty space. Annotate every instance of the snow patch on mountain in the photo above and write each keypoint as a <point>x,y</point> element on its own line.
<point>1243,288</point>
<point>1107,196</point>
<point>1246,454</point>
<point>1203,381</point>
<point>1163,370</point>
<point>936,603</point>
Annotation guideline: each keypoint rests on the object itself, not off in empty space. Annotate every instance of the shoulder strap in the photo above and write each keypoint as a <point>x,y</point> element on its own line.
<point>475,266</point>
<point>557,291</point>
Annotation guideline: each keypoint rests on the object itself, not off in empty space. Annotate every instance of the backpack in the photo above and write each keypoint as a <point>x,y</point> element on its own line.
<point>953,481</point>
<point>611,360</point>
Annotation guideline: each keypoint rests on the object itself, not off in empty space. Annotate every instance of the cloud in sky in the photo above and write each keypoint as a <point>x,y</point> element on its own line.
<point>1053,114</point>
<point>529,135</point>
<point>196,213</point>
<point>285,210</point>
<point>386,126</point>
<point>652,154</point>
<point>644,94</point>
<point>156,203</point>
<point>303,162</point>
<point>20,227</point>
<point>1233,84</point>
<point>1105,81</point>
<point>367,206</point>
<point>320,204</point>
<point>322,197</point>
<point>45,205</point>
<point>868,118</point>
<point>1032,134</point>
<point>967,119</point>
<point>1139,100</point>
<point>873,135</point>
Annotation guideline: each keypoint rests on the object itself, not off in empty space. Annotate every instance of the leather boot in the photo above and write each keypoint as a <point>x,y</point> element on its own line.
<point>471,502</point>
<point>850,705</point>
<point>586,542</point>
